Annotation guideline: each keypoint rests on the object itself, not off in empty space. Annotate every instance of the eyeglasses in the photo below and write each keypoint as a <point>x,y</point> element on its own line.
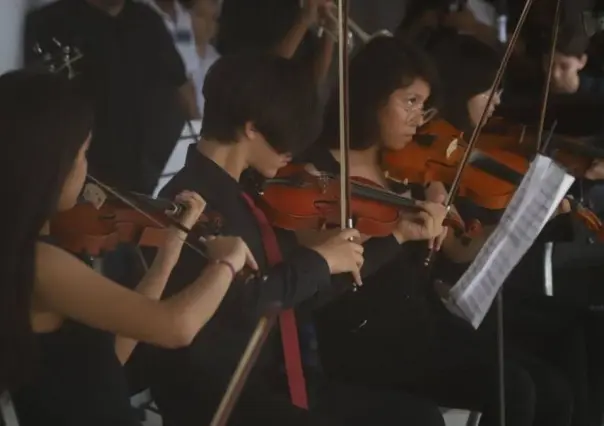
<point>428,114</point>
<point>415,110</point>
<point>418,112</point>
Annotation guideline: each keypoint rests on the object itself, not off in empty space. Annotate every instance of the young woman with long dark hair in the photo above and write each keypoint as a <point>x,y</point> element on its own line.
<point>58,317</point>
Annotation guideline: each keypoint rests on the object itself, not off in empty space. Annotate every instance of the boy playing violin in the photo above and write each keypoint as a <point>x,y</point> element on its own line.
<point>259,111</point>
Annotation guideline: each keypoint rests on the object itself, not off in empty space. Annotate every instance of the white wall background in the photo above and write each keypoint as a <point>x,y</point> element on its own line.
<point>12,13</point>
<point>12,16</point>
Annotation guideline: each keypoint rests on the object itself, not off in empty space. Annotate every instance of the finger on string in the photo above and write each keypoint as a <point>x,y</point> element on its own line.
<point>199,199</point>
<point>424,218</point>
<point>360,260</point>
<point>183,194</point>
<point>356,275</point>
<point>251,261</point>
<point>358,248</point>
<point>442,238</point>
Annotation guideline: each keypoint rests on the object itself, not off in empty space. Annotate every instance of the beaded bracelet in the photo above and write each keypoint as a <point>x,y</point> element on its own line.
<point>227,264</point>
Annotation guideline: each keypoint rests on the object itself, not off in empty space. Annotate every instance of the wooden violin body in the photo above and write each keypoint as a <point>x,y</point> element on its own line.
<point>95,228</point>
<point>489,180</point>
<point>495,168</point>
<point>296,199</point>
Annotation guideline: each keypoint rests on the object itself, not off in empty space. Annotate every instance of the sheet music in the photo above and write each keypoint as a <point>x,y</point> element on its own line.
<point>537,198</point>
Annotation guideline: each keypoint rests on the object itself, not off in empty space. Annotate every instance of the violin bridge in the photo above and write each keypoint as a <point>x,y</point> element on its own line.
<point>451,148</point>
<point>94,195</point>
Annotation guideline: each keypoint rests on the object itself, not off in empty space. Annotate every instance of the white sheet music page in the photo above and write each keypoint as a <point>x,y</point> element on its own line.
<point>533,204</point>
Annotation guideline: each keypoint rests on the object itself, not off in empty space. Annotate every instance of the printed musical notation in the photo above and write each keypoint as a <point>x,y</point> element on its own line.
<point>533,204</point>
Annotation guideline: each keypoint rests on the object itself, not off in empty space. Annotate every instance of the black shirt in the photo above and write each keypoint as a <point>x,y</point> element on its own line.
<point>132,70</point>
<point>78,381</point>
<point>398,286</point>
<point>209,362</point>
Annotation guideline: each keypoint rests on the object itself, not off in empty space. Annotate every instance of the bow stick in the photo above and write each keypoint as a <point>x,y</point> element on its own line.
<point>346,221</point>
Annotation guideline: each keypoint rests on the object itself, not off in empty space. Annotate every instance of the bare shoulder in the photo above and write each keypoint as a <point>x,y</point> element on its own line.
<point>49,255</point>
<point>54,263</point>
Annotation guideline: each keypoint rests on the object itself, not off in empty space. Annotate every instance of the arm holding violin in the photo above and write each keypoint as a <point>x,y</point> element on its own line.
<point>154,282</point>
<point>378,252</point>
<point>68,287</point>
<point>308,269</point>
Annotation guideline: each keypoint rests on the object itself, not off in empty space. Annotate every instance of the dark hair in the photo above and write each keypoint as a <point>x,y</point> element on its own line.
<point>43,124</point>
<point>572,41</point>
<point>381,67</point>
<point>467,67</point>
<point>278,95</point>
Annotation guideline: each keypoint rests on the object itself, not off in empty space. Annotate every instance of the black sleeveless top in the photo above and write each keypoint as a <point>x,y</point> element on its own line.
<point>79,381</point>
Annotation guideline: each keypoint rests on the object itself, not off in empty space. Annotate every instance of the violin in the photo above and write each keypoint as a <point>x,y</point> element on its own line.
<point>502,133</point>
<point>297,199</point>
<point>489,180</point>
<point>576,155</point>
<point>493,173</point>
<point>101,223</point>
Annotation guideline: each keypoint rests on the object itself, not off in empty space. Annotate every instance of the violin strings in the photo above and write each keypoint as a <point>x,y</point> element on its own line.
<point>148,216</point>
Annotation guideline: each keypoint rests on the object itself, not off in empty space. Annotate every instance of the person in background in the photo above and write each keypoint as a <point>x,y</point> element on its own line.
<point>135,77</point>
<point>204,15</point>
<point>193,25</point>
<point>570,59</point>
<point>139,89</point>
<point>427,21</point>
<point>278,26</point>
<point>179,23</point>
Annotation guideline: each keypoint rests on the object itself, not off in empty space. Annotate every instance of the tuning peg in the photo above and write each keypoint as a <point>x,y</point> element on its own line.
<point>37,49</point>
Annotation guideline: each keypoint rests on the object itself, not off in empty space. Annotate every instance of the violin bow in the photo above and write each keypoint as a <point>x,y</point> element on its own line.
<point>459,173</point>
<point>244,368</point>
<point>471,145</point>
<point>541,145</point>
<point>346,220</point>
<point>483,117</point>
